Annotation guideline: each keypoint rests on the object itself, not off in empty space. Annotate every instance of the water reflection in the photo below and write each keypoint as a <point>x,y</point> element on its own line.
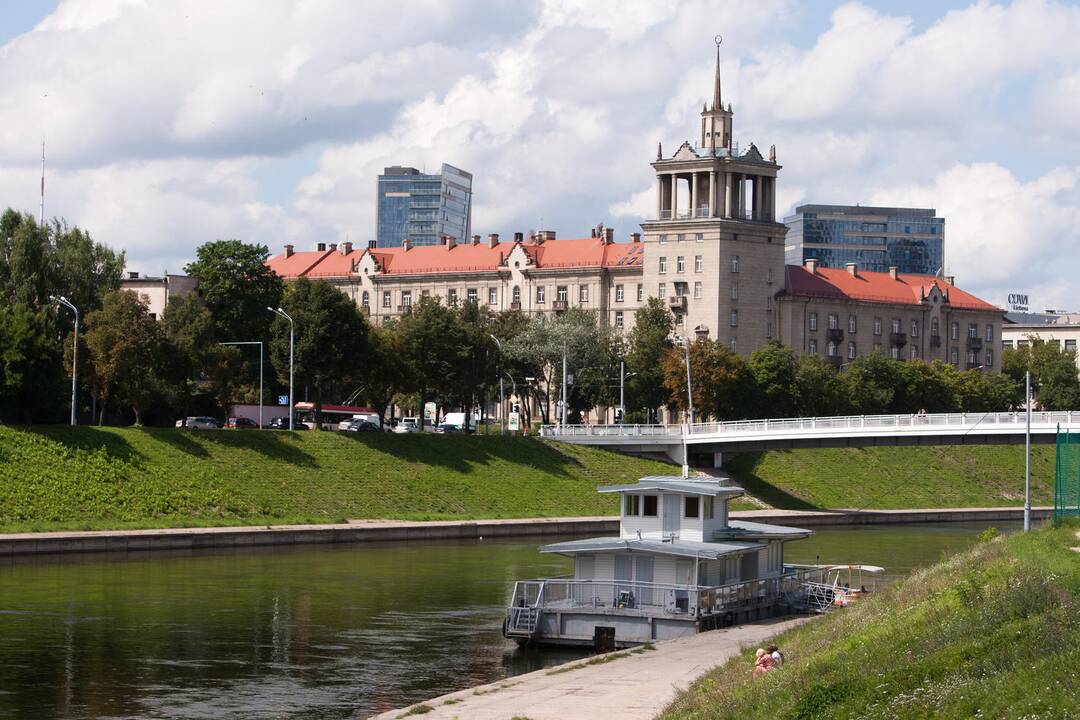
<point>328,632</point>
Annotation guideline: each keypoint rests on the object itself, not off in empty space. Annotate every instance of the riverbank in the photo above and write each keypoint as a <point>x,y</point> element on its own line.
<point>992,632</point>
<point>361,531</point>
<point>629,685</point>
<point>58,478</point>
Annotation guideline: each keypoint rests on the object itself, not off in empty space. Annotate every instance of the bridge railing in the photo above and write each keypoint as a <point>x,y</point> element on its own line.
<point>781,426</point>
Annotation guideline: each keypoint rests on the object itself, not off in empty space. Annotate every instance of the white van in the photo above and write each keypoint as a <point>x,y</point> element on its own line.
<point>370,417</point>
<point>408,425</point>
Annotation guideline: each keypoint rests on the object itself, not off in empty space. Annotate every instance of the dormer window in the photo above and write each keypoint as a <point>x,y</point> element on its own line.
<point>649,505</point>
<point>631,505</point>
<point>692,506</point>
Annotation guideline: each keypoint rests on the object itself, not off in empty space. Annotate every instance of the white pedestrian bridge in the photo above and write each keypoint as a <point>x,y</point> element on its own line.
<point>852,430</point>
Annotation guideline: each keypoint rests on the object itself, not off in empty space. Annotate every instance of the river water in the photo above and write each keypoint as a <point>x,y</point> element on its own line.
<point>325,632</point>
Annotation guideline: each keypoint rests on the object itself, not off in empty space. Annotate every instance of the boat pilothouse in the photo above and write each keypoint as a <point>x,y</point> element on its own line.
<point>678,566</point>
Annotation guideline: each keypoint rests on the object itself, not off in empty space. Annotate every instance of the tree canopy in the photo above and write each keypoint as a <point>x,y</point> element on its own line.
<point>237,286</point>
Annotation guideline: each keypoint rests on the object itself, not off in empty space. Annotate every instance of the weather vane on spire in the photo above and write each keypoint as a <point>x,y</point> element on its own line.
<point>716,103</point>
<point>719,40</point>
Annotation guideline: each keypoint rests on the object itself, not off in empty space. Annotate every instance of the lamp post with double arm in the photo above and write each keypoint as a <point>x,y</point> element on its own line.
<point>292,346</point>
<point>61,300</point>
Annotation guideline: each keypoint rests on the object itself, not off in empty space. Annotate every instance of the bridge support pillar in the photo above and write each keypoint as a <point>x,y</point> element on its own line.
<point>718,459</point>
<point>677,453</point>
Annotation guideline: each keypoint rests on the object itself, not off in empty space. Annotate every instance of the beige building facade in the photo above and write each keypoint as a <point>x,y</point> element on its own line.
<point>158,292</point>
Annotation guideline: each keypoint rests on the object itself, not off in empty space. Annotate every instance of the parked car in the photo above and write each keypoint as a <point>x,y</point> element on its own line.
<point>201,422</point>
<point>451,428</point>
<point>361,425</point>
<point>282,423</point>
<point>408,425</point>
<point>369,417</point>
<point>242,423</point>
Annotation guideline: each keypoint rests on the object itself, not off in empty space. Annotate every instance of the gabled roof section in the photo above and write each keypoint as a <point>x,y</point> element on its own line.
<point>904,289</point>
<point>675,484</point>
<point>298,264</point>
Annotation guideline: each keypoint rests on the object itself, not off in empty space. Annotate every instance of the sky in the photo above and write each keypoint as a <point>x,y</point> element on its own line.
<point>169,123</point>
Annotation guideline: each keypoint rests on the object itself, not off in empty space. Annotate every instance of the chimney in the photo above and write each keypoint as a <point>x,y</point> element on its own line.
<point>493,239</point>
<point>548,234</point>
<point>451,242</point>
<point>372,244</point>
<point>592,233</point>
<point>892,272</point>
<point>333,246</point>
<point>811,265</point>
<point>609,235</point>
<point>133,275</point>
<point>951,279</point>
<point>321,247</point>
<point>288,250</point>
<point>519,237</point>
<point>852,268</point>
<point>406,245</point>
<point>346,248</point>
<point>635,237</point>
<point>475,239</point>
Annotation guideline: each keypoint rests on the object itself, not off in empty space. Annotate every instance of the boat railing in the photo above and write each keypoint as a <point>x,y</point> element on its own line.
<point>672,598</point>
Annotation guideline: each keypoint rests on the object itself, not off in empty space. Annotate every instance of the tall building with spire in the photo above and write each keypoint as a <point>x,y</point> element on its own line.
<point>714,251</point>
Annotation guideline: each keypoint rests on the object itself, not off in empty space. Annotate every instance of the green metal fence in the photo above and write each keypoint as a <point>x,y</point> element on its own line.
<point>1067,476</point>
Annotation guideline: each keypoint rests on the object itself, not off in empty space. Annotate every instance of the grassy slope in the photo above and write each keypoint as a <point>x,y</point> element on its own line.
<point>994,632</point>
<point>60,478</point>
<point>896,477</point>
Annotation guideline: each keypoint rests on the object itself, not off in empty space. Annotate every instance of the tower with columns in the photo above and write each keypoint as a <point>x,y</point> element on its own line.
<point>714,252</point>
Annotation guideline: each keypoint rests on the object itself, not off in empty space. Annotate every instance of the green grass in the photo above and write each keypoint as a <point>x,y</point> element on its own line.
<point>89,478</point>
<point>896,477</point>
<point>993,632</point>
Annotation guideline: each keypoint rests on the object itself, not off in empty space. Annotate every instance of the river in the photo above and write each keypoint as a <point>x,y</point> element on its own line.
<point>312,632</point>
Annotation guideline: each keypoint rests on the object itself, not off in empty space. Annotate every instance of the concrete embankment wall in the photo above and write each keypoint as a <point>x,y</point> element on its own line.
<point>398,531</point>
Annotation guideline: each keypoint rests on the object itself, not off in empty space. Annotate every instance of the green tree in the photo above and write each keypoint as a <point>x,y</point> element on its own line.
<point>81,269</point>
<point>775,370</point>
<point>1054,380</point>
<point>871,383</point>
<point>31,375</point>
<point>28,266</point>
<point>925,386</point>
<point>237,286</point>
<point>648,342</point>
<point>819,388</point>
<point>724,387</point>
<point>131,360</point>
<point>332,337</point>
<point>977,391</point>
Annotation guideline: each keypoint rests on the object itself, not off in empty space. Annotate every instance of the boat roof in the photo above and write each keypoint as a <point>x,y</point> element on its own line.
<point>747,529</point>
<point>681,548</point>
<point>676,484</point>
<point>863,568</point>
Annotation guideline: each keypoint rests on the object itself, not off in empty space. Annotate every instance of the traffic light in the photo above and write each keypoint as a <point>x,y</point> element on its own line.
<point>516,407</point>
<point>618,415</point>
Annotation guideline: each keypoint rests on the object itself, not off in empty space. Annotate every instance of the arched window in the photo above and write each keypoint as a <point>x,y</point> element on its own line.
<point>517,294</point>
<point>365,299</point>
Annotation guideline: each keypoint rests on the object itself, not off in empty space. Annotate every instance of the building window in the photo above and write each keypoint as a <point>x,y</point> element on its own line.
<point>954,357</point>
<point>516,295</point>
<point>851,324</point>
<point>640,292</point>
<point>648,505</point>
<point>680,237</point>
<point>972,358</point>
<point>663,239</point>
<point>661,290</point>
<point>895,325</point>
<point>493,296</point>
<point>877,326</point>
<point>406,298</point>
<point>914,328</point>
<point>691,506</point>
<point>709,508</point>
<point>973,330</point>
<point>834,321</point>
<point>697,289</point>
<point>813,346</point>
<point>914,352</point>
<point>877,347</point>
<point>935,327</point>
<point>812,321</point>
<point>1070,345</point>
<point>618,319</point>
<point>562,294</point>
<point>583,294</point>
<point>768,276</point>
<point>734,291</point>
<point>631,505</point>
<point>1009,344</point>
<point>954,331</point>
<point>680,264</point>
<point>365,299</point>
<point>894,352</point>
<point>681,289</point>
<point>541,294</point>
<point>472,295</point>
<point>734,344</point>
<point>734,263</point>
<point>451,297</point>
<point>618,293</point>
<point>425,293</point>
<point>698,264</point>
<point>386,298</point>
<point>768,329</point>
<point>989,333</point>
<point>851,351</point>
<point>700,237</point>
<point>663,265</point>
<point>734,318</point>
<point>831,350</point>
<point>990,358</point>
<point>768,302</point>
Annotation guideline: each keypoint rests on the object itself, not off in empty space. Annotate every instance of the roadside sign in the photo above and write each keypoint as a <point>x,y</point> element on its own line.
<point>514,422</point>
<point>282,399</point>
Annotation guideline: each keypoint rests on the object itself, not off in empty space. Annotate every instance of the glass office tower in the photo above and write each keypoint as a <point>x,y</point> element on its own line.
<point>876,238</point>
<point>421,207</point>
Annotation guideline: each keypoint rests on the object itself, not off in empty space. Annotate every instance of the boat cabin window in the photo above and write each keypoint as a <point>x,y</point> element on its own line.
<point>649,505</point>
<point>631,505</point>
<point>708,508</point>
<point>692,506</point>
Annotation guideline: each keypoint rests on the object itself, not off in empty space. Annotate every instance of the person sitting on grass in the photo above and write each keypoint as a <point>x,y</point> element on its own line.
<point>763,663</point>
<point>777,656</point>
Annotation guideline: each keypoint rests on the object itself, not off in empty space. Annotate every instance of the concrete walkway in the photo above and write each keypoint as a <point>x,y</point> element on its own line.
<point>636,686</point>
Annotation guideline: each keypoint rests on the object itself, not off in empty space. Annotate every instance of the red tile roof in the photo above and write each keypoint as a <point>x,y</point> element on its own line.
<point>463,257</point>
<point>905,289</point>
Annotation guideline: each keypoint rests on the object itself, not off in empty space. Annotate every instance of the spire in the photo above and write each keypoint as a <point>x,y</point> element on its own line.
<point>716,103</point>
<point>659,151</point>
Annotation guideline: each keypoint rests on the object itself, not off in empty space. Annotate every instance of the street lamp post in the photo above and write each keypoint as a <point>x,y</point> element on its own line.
<point>689,405</point>
<point>502,398</point>
<point>292,346</point>
<point>1027,453</point>
<point>562,402</point>
<point>259,343</point>
<point>622,388</point>
<point>74,350</point>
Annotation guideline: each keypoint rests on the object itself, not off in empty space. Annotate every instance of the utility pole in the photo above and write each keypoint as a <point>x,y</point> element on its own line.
<point>1027,454</point>
<point>75,349</point>
<point>562,402</point>
<point>622,388</point>
<point>292,346</point>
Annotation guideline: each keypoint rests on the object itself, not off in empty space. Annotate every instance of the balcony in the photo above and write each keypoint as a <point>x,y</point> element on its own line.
<point>404,307</point>
<point>676,214</point>
<point>677,303</point>
<point>974,343</point>
<point>897,339</point>
<point>834,334</point>
<point>702,212</point>
<point>560,305</point>
<point>935,341</point>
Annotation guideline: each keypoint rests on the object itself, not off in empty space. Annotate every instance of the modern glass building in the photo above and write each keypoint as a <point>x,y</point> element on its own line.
<point>876,238</point>
<point>421,207</point>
